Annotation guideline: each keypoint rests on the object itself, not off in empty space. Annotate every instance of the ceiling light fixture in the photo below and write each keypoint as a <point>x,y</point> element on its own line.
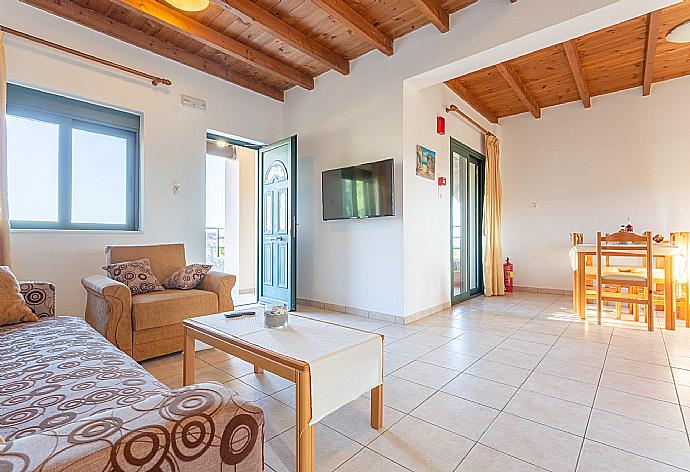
<point>189,5</point>
<point>679,34</point>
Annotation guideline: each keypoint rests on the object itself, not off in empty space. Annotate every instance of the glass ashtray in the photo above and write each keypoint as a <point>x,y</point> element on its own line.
<point>276,318</point>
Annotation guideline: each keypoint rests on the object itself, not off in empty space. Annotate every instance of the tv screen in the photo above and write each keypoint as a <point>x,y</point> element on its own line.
<point>363,191</point>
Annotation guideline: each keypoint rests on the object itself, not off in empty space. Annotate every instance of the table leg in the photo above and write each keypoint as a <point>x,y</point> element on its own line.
<point>258,370</point>
<point>581,285</point>
<point>576,292</point>
<point>304,452</point>
<point>188,360</point>
<point>669,294</point>
<point>377,407</point>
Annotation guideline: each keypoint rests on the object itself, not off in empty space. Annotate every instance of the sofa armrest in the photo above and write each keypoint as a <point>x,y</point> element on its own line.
<point>40,296</point>
<point>109,310</point>
<point>201,427</point>
<point>221,284</point>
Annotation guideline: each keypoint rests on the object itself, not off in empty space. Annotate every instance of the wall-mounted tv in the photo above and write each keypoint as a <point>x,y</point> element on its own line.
<point>362,191</point>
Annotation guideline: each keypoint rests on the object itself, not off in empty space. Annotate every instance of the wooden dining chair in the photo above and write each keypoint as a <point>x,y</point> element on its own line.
<point>640,280</point>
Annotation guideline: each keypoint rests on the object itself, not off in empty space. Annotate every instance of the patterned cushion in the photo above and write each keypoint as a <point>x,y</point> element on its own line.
<point>13,307</point>
<point>136,275</point>
<point>187,277</point>
<point>40,296</point>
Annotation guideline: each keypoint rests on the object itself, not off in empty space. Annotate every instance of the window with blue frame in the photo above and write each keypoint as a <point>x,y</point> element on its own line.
<point>71,164</point>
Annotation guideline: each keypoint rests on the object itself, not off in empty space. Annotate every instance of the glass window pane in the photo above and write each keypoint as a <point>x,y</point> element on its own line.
<point>99,168</point>
<point>32,154</point>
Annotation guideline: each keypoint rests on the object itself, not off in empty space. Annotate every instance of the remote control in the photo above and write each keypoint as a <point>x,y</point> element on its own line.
<point>237,314</point>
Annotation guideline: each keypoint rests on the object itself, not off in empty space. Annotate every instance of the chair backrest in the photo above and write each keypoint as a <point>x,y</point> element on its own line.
<point>165,258</point>
<point>624,244</point>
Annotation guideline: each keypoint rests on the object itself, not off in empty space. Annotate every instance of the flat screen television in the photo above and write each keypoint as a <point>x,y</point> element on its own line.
<point>362,191</point>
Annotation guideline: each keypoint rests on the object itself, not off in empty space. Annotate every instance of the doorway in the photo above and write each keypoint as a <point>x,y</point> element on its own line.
<point>231,212</point>
<point>466,216</point>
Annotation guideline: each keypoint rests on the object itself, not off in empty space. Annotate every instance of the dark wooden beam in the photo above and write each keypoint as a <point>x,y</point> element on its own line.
<point>434,11</point>
<point>93,20</point>
<point>462,92</point>
<point>273,25</point>
<point>576,68</point>
<point>348,16</point>
<point>653,24</point>
<point>518,87</point>
<point>192,29</point>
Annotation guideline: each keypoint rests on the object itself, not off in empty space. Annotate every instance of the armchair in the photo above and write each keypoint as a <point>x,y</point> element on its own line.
<point>150,324</point>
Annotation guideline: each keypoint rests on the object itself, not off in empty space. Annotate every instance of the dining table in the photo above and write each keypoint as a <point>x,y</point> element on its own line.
<point>664,251</point>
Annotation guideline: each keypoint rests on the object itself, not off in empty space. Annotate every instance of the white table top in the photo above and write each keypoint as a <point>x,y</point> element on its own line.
<point>344,362</point>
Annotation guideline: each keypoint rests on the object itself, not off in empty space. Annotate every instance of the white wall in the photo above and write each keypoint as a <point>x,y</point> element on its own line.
<point>427,217</point>
<point>588,170</point>
<point>348,120</point>
<point>173,141</point>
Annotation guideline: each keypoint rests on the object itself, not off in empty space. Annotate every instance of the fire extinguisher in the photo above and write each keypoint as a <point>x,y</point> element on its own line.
<point>508,275</point>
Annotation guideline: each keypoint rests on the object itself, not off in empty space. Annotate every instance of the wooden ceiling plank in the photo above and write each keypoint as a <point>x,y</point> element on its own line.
<point>576,68</point>
<point>518,87</point>
<point>462,91</point>
<point>434,12</point>
<point>653,24</point>
<point>200,32</point>
<point>349,17</point>
<point>286,32</point>
<point>93,20</point>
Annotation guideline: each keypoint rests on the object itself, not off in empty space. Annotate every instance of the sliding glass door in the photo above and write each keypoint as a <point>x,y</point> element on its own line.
<point>466,204</point>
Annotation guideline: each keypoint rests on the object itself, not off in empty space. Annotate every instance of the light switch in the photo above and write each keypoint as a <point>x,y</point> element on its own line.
<point>534,205</point>
<point>177,187</point>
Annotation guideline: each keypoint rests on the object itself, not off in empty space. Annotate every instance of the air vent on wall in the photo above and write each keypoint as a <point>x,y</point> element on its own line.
<point>191,102</point>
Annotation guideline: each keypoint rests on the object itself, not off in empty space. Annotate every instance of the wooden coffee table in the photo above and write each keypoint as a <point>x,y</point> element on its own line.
<point>216,330</point>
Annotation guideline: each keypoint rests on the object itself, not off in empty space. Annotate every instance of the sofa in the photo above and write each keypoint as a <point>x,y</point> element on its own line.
<point>70,401</point>
<point>150,324</point>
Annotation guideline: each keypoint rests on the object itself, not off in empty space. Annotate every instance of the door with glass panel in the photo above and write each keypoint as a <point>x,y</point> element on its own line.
<point>466,206</point>
<point>278,223</point>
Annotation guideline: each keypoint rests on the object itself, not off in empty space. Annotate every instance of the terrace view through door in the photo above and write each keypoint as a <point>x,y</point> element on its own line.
<point>278,223</point>
<point>467,200</point>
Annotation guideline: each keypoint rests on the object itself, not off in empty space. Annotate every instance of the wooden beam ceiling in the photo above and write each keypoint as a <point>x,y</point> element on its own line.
<point>434,11</point>
<point>518,87</point>
<point>576,67</point>
<point>348,16</point>
<point>653,24</point>
<point>186,26</point>
<point>285,32</point>
<point>91,19</point>
<point>466,95</point>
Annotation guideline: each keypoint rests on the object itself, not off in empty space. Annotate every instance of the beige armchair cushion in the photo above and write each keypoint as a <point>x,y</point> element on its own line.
<point>165,259</point>
<point>156,309</point>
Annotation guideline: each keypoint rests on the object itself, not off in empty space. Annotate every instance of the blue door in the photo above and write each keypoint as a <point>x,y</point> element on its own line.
<point>278,223</point>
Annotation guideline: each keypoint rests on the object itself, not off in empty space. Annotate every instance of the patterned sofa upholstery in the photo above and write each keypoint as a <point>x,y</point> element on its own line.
<point>71,401</point>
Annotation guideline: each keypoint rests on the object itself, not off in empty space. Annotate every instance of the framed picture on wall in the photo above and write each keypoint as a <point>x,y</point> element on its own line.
<point>426,163</point>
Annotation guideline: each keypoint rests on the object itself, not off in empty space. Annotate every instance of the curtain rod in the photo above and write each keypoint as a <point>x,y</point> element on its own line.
<point>464,115</point>
<point>154,79</point>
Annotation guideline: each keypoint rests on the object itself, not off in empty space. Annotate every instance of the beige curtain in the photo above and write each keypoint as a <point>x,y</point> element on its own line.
<point>4,221</point>
<point>493,251</point>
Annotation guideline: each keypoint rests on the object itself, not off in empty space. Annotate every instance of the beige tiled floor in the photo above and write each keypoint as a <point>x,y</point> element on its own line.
<point>503,384</point>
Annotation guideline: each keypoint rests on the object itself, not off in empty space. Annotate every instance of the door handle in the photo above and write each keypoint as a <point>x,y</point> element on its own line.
<point>275,238</point>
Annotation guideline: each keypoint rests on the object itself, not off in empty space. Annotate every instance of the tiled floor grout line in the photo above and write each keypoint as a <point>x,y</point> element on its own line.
<point>675,387</point>
<point>594,400</point>
<point>502,410</point>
